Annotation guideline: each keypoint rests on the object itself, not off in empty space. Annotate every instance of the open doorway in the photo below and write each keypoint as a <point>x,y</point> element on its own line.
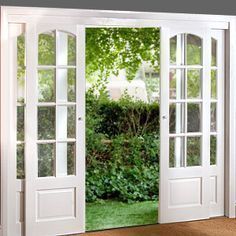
<point>122,127</point>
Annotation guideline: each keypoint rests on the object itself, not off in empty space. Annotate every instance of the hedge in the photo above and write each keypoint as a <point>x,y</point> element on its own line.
<point>122,149</point>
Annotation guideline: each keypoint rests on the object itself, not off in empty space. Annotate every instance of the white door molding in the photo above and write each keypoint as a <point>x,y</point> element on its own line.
<point>230,119</point>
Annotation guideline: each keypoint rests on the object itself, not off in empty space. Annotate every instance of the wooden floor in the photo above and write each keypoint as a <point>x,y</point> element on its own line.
<point>220,226</point>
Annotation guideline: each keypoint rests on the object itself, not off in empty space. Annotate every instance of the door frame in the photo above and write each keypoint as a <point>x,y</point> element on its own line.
<point>100,18</point>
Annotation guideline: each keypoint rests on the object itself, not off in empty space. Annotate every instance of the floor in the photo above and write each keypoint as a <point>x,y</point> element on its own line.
<point>220,226</point>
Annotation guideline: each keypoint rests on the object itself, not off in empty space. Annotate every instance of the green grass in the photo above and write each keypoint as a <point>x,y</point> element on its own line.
<point>113,214</point>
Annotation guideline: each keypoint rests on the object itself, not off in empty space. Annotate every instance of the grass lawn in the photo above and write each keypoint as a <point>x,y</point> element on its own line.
<point>113,214</point>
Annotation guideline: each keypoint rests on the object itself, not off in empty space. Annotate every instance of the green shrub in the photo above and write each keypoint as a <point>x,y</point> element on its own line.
<point>126,169</point>
<point>122,160</point>
<point>129,117</point>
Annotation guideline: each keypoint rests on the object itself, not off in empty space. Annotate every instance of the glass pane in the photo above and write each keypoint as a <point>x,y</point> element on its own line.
<point>21,51</point>
<point>20,155</point>
<point>176,84</point>
<point>47,48</point>
<point>176,152</point>
<point>194,83</point>
<point>20,123</point>
<point>71,50</point>
<point>213,52</point>
<point>213,151</point>
<point>20,86</point>
<point>46,160</point>
<point>194,50</point>
<point>65,159</point>
<point>46,123</point>
<point>66,122</point>
<point>213,117</point>
<point>176,121</point>
<point>66,85</point>
<point>193,151</point>
<point>194,117</point>
<point>213,84</point>
<point>173,50</point>
<point>46,85</point>
<point>67,49</point>
<point>71,85</point>
<point>71,131</point>
<point>71,155</point>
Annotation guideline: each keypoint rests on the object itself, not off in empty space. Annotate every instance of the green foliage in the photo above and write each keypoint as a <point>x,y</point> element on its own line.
<point>46,87</point>
<point>194,50</point>
<point>193,151</point>
<point>71,50</point>
<point>135,118</point>
<point>46,123</point>
<point>127,170</point>
<point>20,161</point>
<point>194,114</point>
<point>213,150</point>
<point>46,159</point>
<point>122,163</point>
<point>47,49</point>
<point>21,50</point>
<point>213,84</point>
<point>194,83</point>
<point>108,50</point>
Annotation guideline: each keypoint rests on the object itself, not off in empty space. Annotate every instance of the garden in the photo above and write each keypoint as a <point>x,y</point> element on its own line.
<point>122,161</point>
<point>122,136</point>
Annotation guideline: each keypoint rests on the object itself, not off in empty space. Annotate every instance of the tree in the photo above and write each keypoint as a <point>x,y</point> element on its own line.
<point>109,50</point>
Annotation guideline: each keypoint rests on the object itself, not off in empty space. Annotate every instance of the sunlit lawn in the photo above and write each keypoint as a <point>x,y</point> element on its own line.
<point>113,214</point>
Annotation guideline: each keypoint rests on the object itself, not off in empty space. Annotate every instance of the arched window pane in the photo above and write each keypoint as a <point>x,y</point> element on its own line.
<point>47,48</point>
<point>213,52</point>
<point>194,50</point>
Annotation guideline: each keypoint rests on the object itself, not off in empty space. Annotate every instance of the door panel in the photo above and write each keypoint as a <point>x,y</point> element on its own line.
<point>55,154</point>
<point>185,124</point>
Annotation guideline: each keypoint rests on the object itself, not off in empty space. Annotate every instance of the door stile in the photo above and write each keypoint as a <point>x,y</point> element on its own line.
<point>206,88</point>
<point>30,126</point>
<point>164,121</point>
<point>80,119</point>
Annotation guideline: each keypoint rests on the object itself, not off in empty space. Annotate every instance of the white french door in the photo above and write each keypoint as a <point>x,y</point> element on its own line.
<point>47,65</point>
<point>55,130</point>
<point>192,160</point>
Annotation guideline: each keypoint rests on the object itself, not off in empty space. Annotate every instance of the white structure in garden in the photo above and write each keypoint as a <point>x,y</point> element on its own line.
<point>144,87</point>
